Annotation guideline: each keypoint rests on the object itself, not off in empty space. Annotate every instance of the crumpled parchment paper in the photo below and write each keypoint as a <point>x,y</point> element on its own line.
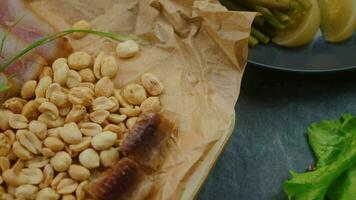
<point>197,48</point>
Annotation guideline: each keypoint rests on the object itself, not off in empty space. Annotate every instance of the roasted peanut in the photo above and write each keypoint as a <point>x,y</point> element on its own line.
<point>6,196</point>
<point>70,133</point>
<point>151,104</point>
<point>42,86</point>
<point>104,140</point>
<point>30,110</point>
<point>68,197</point>
<point>14,104</point>
<point>49,109</point>
<point>76,114</point>
<point>64,111</point>
<point>99,116</point>
<point>87,84</point>
<point>81,96</point>
<point>103,103</point>
<point>33,175</point>
<point>37,162</point>
<point>53,143</point>
<point>4,163</point>
<point>84,144</point>
<point>28,89</point>
<point>97,65</point>
<point>26,192</point>
<point>5,145</point>
<point>60,72</point>
<point>48,194</point>
<point>78,172</point>
<point>60,99</point>
<point>90,129</point>
<point>29,140</point>
<point>49,122</point>
<point>108,67</point>
<point>130,112</point>
<point>127,49</point>
<point>81,24</point>
<point>89,158</point>
<point>73,154</point>
<point>21,151</point>
<point>14,178</point>
<point>104,87</point>
<point>152,84</point>
<point>12,156</point>
<point>60,176</point>
<point>134,93</point>
<point>73,79</point>
<point>54,132</point>
<point>116,118</point>
<point>10,135</point>
<point>46,71</point>
<point>54,87</point>
<point>39,101</point>
<point>38,128</point>
<point>109,157</point>
<point>87,75</point>
<point>61,161</point>
<point>17,121</point>
<point>79,60</point>
<point>116,102</point>
<point>4,119</point>
<point>120,98</point>
<point>48,174</point>
<point>114,128</point>
<point>79,192</point>
<point>67,186</point>
<point>46,152</point>
<point>58,63</point>
<point>130,122</point>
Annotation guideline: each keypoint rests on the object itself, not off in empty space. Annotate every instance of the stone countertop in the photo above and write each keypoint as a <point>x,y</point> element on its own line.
<point>269,139</point>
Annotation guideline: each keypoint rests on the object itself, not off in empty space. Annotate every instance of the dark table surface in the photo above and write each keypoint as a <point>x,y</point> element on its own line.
<point>269,139</point>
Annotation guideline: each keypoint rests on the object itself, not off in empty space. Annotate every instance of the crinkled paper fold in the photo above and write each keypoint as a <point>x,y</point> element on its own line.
<point>197,48</point>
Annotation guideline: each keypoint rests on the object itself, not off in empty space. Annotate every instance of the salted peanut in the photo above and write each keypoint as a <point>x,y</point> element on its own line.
<point>79,60</point>
<point>78,172</point>
<point>14,177</point>
<point>58,63</point>
<point>49,109</point>
<point>37,162</point>
<point>81,24</point>
<point>48,194</point>
<point>4,119</point>
<point>60,176</point>
<point>46,152</point>
<point>87,75</point>
<point>4,163</point>
<point>48,174</point>
<point>127,49</point>
<point>67,186</point>
<point>103,140</point>
<point>104,87</point>
<point>116,102</point>
<point>109,157</point>
<point>108,67</point>
<point>60,99</point>
<point>61,161</point>
<point>28,89</point>
<point>54,87</point>
<point>21,151</point>
<point>89,158</point>
<point>60,73</point>
<point>50,122</point>
<point>130,122</point>
<point>33,175</point>
<point>80,193</point>
<point>134,93</point>
<point>152,84</point>
<point>46,71</point>
<point>12,156</point>
<point>5,145</point>
<point>40,101</point>
<point>17,121</point>
<point>14,104</point>
<point>90,129</point>
<point>29,140</point>
<point>121,99</point>
<point>130,112</point>
<point>73,154</point>
<point>42,86</point>
<point>68,197</point>
<point>38,128</point>
<point>76,114</point>
<point>81,146</point>
<point>70,133</point>
<point>81,96</point>
<point>99,116</point>
<point>97,65</point>
<point>6,196</point>
<point>10,135</point>
<point>30,110</point>
<point>87,84</point>
<point>116,118</point>
<point>53,143</point>
<point>113,128</point>
<point>73,79</point>
<point>54,132</point>
<point>64,111</point>
<point>26,192</point>
<point>102,103</point>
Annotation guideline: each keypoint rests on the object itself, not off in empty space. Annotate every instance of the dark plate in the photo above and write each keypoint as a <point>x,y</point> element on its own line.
<point>319,56</point>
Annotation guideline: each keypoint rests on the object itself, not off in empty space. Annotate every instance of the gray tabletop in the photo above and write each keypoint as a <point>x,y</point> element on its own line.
<point>273,112</point>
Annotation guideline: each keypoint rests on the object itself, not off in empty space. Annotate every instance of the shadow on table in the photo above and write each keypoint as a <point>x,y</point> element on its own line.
<point>273,112</point>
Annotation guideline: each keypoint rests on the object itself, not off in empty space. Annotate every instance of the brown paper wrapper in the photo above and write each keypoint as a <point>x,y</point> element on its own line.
<point>197,48</point>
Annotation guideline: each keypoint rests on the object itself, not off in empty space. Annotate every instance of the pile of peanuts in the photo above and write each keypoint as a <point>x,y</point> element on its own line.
<point>68,123</point>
